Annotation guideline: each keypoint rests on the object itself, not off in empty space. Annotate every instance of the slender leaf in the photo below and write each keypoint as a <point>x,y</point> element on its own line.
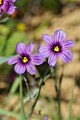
<point>12,90</point>
<point>15,85</point>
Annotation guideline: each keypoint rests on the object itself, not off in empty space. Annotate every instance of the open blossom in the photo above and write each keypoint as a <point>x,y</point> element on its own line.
<point>26,60</point>
<point>7,6</point>
<point>57,46</point>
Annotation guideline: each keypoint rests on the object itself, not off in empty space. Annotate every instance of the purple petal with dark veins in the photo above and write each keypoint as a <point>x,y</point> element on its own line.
<point>53,59</point>
<point>30,48</point>
<point>21,48</point>
<point>66,56</point>
<point>59,35</point>
<point>67,44</point>
<point>5,6</point>
<point>44,51</point>
<point>47,38</point>
<point>11,9</point>
<point>13,60</point>
<point>31,69</point>
<point>36,59</point>
<point>20,68</point>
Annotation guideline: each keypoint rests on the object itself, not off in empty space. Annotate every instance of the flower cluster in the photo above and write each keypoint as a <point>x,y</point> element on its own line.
<point>56,46</point>
<point>7,6</point>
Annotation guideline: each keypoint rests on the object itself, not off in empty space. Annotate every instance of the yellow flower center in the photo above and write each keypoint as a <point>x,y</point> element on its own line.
<point>25,60</point>
<point>56,49</point>
<point>1,1</point>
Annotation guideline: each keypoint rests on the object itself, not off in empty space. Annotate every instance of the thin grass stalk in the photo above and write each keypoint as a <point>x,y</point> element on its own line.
<point>57,88</point>
<point>23,115</point>
<point>25,79</point>
<point>70,105</point>
<point>38,93</point>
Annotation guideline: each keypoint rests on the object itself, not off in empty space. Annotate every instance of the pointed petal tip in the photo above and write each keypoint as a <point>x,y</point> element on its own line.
<point>59,35</point>
<point>21,48</point>
<point>66,56</point>
<point>13,60</point>
<point>68,44</point>
<point>47,38</point>
<point>30,48</point>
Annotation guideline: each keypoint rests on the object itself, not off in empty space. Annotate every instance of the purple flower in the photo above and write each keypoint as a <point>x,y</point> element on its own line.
<point>56,46</point>
<point>25,60</point>
<point>7,6</point>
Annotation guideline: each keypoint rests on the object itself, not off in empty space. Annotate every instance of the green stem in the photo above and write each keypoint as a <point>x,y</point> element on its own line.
<point>59,104</point>
<point>38,93</point>
<point>54,75</point>
<point>57,88</point>
<point>58,93</point>
<point>23,116</point>
<point>28,91</point>
<point>37,97</point>
<point>70,104</point>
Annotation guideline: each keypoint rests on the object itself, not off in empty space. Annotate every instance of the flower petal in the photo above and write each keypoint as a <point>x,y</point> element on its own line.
<point>48,39</point>
<point>11,9</point>
<point>68,44</point>
<point>59,35</point>
<point>31,69</point>
<point>37,59</point>
<point>12,0</point>
<point>19,68</point>
<point>13,60</point>
<point>5,6</point>
<point>66,56</point>
<point>21,48</point>
<point>44,50</point>
<point>30,48</point>
<point>52,59</point>
<point>0,12</point>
